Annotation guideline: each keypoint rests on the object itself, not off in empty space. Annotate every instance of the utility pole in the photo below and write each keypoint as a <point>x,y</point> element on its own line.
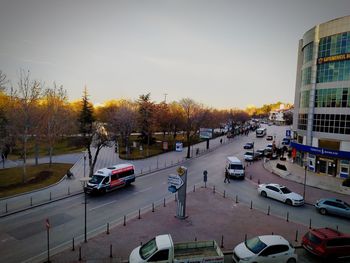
<point>165,94</point>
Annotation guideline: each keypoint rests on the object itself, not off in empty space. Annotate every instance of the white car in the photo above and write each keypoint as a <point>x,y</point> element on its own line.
<point>269,248</point>
<point>280,193</point>
<point>250,156</point>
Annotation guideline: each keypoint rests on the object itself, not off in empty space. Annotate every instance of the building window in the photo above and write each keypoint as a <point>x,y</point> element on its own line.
<point>308,52</point>
<point>332,98</point>
<point>302,121</point>
<point>334,45</point>
<point>304,99</point>
<point>306,76</point>
<point>333,71</point>
<point>331,123</point>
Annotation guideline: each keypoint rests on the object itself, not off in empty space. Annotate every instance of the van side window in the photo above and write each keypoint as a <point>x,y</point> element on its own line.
<point>161,255</point>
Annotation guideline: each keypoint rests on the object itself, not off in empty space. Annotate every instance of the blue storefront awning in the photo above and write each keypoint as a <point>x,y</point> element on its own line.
<point>321,151</point>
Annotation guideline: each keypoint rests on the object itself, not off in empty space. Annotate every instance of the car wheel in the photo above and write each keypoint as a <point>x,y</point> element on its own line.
<point>263,194</point>
<point>323,211</point>
<point>289,202</point>
<point>291,260</point>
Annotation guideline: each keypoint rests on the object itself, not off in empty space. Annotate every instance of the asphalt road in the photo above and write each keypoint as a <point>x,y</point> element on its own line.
<point>23,235</point>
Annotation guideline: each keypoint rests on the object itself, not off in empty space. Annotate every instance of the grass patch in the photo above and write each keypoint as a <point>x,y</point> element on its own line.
<point>38,176</point>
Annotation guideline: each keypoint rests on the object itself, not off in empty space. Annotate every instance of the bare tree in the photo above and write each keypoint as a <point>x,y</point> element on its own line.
<point>25,102</point>
<point>54,116</point>
<point>195,116</point>
<point>3,81</point>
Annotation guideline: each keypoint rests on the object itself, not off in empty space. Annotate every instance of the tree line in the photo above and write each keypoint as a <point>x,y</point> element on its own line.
<point>33,110</point>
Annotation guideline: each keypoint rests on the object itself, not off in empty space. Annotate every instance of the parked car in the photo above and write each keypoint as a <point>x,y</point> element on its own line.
<point>280,193</point>
<point>269,248</point>
<point>261,152</point>
<point>285,141</point>
<point>327,243</point>
<point>269,138</point>
<point>333,206</point>
<point>250,156</point>
<point>248,145</point>
<point>269,147</point>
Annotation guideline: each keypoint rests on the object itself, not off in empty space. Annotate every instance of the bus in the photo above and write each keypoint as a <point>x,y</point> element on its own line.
<point>261,132</point>
<point>110,178</point>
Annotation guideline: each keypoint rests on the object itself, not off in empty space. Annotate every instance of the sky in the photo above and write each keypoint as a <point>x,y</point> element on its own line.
<point>222,53</point>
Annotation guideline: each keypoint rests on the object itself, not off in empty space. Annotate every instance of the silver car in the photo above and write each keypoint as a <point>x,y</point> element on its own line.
<point>333,206</point>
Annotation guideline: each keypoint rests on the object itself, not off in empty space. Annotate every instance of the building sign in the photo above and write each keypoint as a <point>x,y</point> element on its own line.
<point>178,147</point>
<point>321,151</point>
<point>205,133</point>
<point>333,58</point>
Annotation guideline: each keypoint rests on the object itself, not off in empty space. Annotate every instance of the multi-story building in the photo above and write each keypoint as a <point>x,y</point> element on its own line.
<point>321,121</point>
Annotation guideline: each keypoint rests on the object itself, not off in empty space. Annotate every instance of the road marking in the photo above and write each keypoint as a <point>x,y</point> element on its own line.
<point>141,191</point>
<point>99,206</point>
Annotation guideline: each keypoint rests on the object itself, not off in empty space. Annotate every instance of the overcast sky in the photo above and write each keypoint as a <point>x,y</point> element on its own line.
<point>220,53</point>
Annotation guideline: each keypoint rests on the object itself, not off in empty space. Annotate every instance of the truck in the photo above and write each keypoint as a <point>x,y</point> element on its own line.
<point>162,248</point>
<point>234,167</point>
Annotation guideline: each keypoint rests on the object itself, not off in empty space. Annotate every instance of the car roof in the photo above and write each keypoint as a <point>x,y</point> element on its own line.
<point>233,159</point>
<point>332,199</point>
<point>327,233</point>
<point>276,185</point>
<point>273,240</point>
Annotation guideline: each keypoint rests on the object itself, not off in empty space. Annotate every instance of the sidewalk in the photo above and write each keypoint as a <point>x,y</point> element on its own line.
<point>210,216</point>
<point>296,173</point>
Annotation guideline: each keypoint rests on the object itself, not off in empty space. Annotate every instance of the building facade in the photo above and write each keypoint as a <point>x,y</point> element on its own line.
<point>321,120</point>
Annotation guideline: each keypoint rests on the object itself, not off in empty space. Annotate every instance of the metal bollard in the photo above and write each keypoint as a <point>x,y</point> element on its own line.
<point>139,213</point>
<point>107,229</point>
<point>50,196</point>
<point>152,207</point>
<point>73,247</point>
<point>272,233</point>
<point>164,203</point>
<point>141,171</point>
<point>287,216</point>
<point>195,238</point>
<point>214,189</point>
<point>251,204</point>
<point>31,201</point>
<point>337,227</point>
<point>250,177</point>
<point>79,253</point>
<point>268,210</point>
<point>310,224</point>
<point>236,199</point>
<point>194,188</point>
<point>124,221</point>
<point>6,208</point>
<point>258,181</point>
<point>296,236</point>
<point>224,194</point>
<point>110,251</point>
<point>222,241</point>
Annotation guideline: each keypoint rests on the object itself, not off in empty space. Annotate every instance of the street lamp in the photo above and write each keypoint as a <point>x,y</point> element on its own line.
<point>83,182</point>
<point>305,166</point>
<point>84,161</point>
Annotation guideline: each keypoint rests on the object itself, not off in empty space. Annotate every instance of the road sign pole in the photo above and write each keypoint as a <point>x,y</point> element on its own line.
<point>181,201</point>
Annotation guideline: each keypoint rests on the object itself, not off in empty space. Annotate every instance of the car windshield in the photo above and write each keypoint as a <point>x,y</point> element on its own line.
<point>236,166</point>
<point>314,239</point>
<point>285,190</point>
<point>255,245</point>
<point>96,179</point>
<point>249,153</point>
<point>148,249</point>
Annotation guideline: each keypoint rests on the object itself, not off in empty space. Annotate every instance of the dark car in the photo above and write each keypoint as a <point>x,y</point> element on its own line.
<point>269,138</point>
<point>248,145</point>
<point>327,243</point>
<point>333,206</point>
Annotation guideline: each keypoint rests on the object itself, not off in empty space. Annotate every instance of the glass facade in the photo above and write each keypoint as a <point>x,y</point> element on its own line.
<point>334,45</point>
<point>306,76</point>
<point>332,98</point>
<point>332,123</point>
<point>308,52</point>
<point>333,71</point>
<point>304,99</point>
<point>302,121</point>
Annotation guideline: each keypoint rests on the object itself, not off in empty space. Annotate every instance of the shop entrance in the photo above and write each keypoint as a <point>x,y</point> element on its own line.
<point>327,166</point>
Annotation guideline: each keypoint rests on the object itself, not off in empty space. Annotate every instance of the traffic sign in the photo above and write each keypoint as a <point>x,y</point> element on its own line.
<point>174,183</point>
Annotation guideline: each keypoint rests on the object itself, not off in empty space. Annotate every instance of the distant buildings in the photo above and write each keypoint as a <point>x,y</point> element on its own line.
<point>322,99</point>
<point>280,116</point>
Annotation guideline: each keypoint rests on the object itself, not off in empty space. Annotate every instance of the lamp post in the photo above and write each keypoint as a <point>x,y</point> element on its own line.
<point>84,161</point>
<point>305,166</point>
<point>83,182</point>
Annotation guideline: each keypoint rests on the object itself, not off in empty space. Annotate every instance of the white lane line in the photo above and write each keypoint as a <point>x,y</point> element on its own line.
<point>99,206</point>
<point>144,190</point>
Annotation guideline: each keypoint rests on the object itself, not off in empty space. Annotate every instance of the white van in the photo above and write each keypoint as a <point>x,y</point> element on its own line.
<point>234,167</point>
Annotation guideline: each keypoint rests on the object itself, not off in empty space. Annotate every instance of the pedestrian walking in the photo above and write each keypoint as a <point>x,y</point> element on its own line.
<point>227,177</point>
